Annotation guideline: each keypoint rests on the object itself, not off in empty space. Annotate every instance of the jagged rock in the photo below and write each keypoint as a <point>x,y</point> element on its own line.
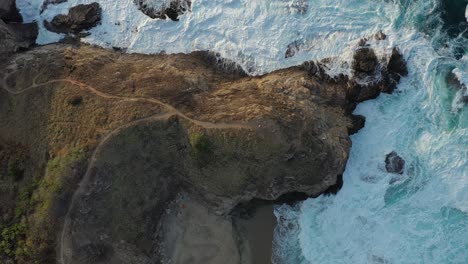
<point>396,68</point>
<point>380,36</point>
<point>363,42</point>
<point>7,39</point>
<point>292,49</point>
<point>200,127</point>
<point>25,34</point>
<point>220,64</point>
<point>364,60</point>
<point>358,122</point>
<point>164,8</point>
<point>371,78</point>
<point>51,2</point>
<point>16,36</point>
<point>9,12</point>
<point>453,81</point>
<point>394,163</point>
<point>300,6</point>
<point>78,19</point>
<point>397,64</point>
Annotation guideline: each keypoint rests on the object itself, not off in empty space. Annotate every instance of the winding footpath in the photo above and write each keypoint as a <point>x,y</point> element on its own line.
<point>170,111</point>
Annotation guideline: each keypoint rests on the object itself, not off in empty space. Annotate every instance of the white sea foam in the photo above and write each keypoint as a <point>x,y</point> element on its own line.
<point>254,33</point>
<point>421,218</point>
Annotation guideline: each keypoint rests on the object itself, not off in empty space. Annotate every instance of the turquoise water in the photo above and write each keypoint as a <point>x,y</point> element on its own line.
<point>419,217</point>
<point>422,215</point>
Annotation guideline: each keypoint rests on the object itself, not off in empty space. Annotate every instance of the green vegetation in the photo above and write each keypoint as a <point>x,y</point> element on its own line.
<point>42,223</point>
<point>13,235</point>
<point>202,148</point>
<point>31,233</point>
<point>12,241</point>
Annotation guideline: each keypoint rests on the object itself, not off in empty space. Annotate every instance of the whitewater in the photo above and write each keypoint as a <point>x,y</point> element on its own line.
<point>377,217</point>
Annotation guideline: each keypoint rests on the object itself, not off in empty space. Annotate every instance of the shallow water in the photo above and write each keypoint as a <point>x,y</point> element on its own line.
<point>422,216</point>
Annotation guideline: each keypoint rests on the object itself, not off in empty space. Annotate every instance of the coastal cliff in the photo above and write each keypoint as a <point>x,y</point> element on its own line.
<point>108,157</point>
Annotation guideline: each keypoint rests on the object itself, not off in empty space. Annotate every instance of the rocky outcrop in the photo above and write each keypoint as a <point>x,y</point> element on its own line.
<point>14,35</point>
<point>394,163</point>
<point>162,125</point>
<point>115,139</point>
<point>372,77</point>
<point>364,61</point>
<point>79,18</point>
<point>8,41</point>
<point>9,13</point>
<point>164,9</point>
<point>51,2</point>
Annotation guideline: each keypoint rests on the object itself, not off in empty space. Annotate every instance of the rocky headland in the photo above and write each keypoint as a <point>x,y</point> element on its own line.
<point>108,157</point>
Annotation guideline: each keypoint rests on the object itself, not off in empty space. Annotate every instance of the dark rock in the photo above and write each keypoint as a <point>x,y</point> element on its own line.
<point>358,92</point>
<point>8,12</point>
<point>7,37</point>
<point>365,60</point>
<point>397,64</point>
<point>16,36</point>
<point>394,163</point>
<point>301,6</point>
<point>79,18</point>
<point>362,42</point>
<point>334,189</point>
<point>292,49</point>
<point>175,9</point>
<point>358,122</point>
<point>453,81</point>
<point>25,34</point>
<point>51,2</point>
<point>380,36</point>
<point>220,64</point>
<point>396,68</point>
<point>371,78</point>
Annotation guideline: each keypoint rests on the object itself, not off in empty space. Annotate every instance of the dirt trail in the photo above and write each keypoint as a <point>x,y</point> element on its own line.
<point>170,111</point>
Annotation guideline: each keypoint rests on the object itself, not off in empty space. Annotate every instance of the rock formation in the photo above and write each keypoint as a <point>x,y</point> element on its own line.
<point>14,35</point>
<point>78,19</point>
<point>138,131</point>
<point>165,8</point>
<point>394,163</point>
<point>107,157</point>
<point>9,13</point>
<point>51,2</point>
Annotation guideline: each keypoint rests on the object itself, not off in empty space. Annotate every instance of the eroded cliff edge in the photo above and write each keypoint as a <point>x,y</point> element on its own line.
<point>108,157</point>
<point>105,142</point>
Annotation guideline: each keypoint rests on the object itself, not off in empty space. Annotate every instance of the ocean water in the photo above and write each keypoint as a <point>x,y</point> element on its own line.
<point>377,217</point>
<point>422,215</point>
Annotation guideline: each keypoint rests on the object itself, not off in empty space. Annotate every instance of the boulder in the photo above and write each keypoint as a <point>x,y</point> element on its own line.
<point>397,64</point>
<point>394,163</point>
<point>163,10</point>
<point>365,60</point>
<point>292,49</point>
<point>380,36</point>
<point>9,12</point>
<point>78,19</point>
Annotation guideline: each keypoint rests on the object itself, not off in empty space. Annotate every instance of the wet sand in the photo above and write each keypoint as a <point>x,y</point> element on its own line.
<point>259,231</point>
